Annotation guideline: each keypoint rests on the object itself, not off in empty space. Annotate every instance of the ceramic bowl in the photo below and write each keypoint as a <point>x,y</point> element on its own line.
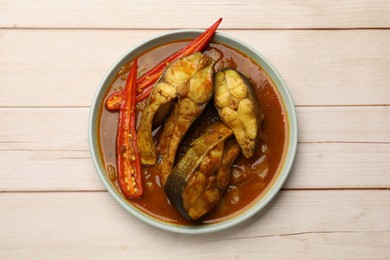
<point>219,38</point>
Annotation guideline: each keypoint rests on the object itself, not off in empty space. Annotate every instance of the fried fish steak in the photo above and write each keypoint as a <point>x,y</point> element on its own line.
<point>188,83</point>
<point>237,106</point>
<point>199,179</point>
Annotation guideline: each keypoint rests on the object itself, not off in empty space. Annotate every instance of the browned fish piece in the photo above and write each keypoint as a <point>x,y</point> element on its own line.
<point>237,106</point>
<point>190,81</point>
<point>199,179</point>
<point>175,127</point>
<point>231,150</point>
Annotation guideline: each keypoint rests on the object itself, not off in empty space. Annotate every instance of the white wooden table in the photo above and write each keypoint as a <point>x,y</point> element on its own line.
<point>333,55</point>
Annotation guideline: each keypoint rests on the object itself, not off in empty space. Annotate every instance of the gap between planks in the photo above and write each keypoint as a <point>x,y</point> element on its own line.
<point>182,28</point>
<point>86,150</point>
<point>297,106</point>
<point>298,234</point>
<point>283,189</point>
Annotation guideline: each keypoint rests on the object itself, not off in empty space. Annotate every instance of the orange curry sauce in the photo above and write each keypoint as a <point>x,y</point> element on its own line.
<point>251,178</point>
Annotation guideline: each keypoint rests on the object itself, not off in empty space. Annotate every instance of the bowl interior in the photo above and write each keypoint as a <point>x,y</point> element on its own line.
<point>219,38</point>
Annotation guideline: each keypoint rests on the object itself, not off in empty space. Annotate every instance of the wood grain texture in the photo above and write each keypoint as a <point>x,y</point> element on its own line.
<point>48,171</point>
<point>334,57</point>
<point>340,165</point>
<point>44,129</point>
<point>303,224</point>
<point>319,67</point>
<point>67,128</point>
<point>344,124</point>
<point>317,166</point>
<point>158,14</point>
<point>340,147</point>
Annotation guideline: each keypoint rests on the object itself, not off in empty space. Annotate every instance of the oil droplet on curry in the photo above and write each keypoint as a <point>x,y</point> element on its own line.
<point>249,178</point>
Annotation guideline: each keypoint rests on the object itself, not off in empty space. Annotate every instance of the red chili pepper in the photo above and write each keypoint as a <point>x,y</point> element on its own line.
<point>128,160</point>
<point>146,81</point>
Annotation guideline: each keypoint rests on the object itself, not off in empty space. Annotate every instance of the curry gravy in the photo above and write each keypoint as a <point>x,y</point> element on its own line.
<point>250,177</point>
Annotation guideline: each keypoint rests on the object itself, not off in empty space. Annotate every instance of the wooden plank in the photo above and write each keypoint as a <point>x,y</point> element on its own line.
<point>44,129</point>
<point>48,171</point>
<point>317,166</point>
<point>306,224</point>
<point>236,14</point>
<point>66,128</point>
<point>340,165</point>
<point>344,124</point>
<point>320,67</point>
<point>48,150</point>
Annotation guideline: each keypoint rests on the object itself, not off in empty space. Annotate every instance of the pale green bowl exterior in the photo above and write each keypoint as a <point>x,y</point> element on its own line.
<point>219,38</point>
